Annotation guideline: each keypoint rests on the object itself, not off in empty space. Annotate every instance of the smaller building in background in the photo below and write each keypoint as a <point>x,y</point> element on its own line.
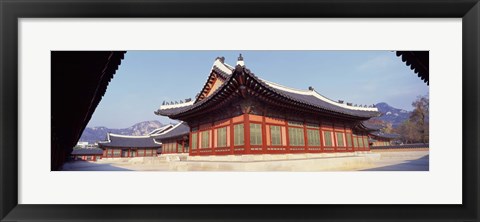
<point>376,137</point>
<point>87,154</point>
<point>175,139</point>
<point>120,146</point>
<point>379,138</point>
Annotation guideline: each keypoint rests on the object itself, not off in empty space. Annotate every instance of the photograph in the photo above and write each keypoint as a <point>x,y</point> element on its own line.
<point>242,110</point>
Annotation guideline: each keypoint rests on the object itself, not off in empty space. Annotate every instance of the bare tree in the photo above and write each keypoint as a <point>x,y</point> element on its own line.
<point>420,116</point>
<point>416,128</point>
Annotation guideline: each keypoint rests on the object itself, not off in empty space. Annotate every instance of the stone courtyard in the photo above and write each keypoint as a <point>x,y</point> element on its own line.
<point>371,161</point>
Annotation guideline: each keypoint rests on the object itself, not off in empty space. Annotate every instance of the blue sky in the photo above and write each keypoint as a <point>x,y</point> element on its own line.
<point>146,78</point>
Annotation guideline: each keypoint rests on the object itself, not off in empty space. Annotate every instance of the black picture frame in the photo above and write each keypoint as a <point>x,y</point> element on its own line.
<point>11,11</point>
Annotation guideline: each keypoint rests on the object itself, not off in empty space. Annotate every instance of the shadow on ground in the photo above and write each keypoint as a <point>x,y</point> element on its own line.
<point>420,164</point>
<point>90,166</point>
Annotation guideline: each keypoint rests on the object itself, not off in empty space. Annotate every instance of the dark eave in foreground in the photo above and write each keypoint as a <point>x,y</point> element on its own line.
<point>418,62</point>
<point>79,81</point>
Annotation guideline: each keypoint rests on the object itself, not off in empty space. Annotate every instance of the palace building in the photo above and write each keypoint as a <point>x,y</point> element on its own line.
<point>238,113</point>
<point>87,154</point>
<point>379,138</point>
<point>174,140</point>
<point>376,136</point>
<point>120,146</point>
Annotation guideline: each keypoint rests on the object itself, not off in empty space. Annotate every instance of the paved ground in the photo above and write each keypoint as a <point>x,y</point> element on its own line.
<point>389,161</point>
<point>401,161</point>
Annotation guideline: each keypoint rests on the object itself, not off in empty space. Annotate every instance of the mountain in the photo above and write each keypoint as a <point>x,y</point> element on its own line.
<point>391,114</point>
<point>94,134</point>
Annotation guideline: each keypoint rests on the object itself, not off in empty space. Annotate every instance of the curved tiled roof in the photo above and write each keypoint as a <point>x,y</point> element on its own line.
<point>310,99</point>
<point>370,126</point>
<point>129,141</point>
<point>385,135</point>
<point>219,68</point>
<point>181,129</point>
<point>90,151</point>
<point>160,130</point>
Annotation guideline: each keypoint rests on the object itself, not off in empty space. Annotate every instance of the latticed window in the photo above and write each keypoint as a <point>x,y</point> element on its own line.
<point>117,152</point>
<point>340,141</point>
<point>205,139</point>
<point>348,138</point>
<point>275,135</point>
<point>238,132</point>
<point>313,137</point>
<point>296,137</point>
<point>360,142</point>
<point>255,134</point>
<point>222,137</point>
<point>365,141</point>
<point>194,141</point>
<point>327,135</point>
<point>355,142</point>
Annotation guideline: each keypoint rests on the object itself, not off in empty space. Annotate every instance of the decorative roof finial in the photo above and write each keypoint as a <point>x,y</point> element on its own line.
<point>222,59</point>
<point>240,60</point>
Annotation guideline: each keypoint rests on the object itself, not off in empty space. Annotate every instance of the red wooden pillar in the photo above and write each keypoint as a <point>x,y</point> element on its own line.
<point>264,135</point>
<point>246,134</point>
<point>232,135</point>
<point>305,137</point>
<point>287,135</point>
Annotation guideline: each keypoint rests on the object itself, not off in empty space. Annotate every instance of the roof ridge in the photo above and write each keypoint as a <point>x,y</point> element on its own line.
<point>166,131</point>
<point>162,128</point>
<point>282,86</point>
<point>313,92</point>
<point>171,106</point>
